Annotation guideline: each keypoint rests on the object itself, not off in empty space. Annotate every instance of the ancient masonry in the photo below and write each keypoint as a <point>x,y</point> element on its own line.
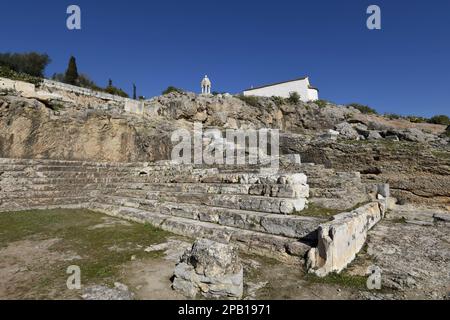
<point>258,212</point>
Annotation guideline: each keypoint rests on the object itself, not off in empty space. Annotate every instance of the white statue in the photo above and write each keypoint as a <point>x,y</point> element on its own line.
<point>206,86</point>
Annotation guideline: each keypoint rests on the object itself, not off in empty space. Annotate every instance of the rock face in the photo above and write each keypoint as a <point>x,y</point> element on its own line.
<point>346,130</point>
<point>210,268</point>
<point>91,129</point>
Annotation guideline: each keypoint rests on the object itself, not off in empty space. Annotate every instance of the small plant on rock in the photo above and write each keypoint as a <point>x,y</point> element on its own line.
<point>294,98</point>
<point>250,100</point>
<point>171,89</point>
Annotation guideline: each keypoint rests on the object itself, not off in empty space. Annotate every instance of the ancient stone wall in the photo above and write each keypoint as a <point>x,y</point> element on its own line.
<point>252,210</point>
<point>341,239</point>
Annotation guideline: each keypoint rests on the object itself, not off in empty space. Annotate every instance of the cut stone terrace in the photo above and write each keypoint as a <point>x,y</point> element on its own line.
<point>260,213</point>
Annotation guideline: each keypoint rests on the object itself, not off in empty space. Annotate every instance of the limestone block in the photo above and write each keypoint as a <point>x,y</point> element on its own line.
<point>384,190</point>
<point>211,269</point>
<point>7,84</point>
<point>341,239</point>
<point>25,88</point>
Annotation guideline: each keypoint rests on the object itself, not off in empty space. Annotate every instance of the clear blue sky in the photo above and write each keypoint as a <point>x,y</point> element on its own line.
<point>404,68</point>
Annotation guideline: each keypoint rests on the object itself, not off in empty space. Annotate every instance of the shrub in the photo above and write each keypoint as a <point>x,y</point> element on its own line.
<point>13,75</point>
<point>321,103</point>
<point>363,108</point>
<point>392,116</point>
<point>116,91</point>
<point>415,119</point>
<point>294,98</point>
<point>31,63</point>
<point>279,101</point>
<point>250,100</point>
<point>440,119</point>
<point>171,89</point>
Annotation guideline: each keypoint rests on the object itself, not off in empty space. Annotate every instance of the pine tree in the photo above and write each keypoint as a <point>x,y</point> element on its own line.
<point>71,76</point>
<point>110,83</point>
<point>134,92</point>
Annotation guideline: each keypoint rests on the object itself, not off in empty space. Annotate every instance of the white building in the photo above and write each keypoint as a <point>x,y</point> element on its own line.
<point>284,89</point>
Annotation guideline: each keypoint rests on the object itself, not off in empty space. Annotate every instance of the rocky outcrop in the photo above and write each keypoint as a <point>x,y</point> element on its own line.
<point>93,129</point>
<point>211,269</point>
<point>416,172</point>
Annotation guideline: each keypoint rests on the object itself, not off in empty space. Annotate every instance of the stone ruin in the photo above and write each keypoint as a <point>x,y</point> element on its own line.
<point>256,211</point>
<point>212,269</point>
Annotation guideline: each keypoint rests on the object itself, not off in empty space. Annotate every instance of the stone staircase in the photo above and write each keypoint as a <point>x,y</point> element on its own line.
<point>259,212</point>
<point>253,210</point>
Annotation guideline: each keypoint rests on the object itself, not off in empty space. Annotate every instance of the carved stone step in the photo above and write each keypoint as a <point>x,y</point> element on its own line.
<point>241,202</point>
<point>282,248</point>
<point>288,226</point>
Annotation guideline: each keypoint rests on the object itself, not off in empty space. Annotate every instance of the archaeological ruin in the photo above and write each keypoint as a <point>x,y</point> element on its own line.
<point>67,147</point>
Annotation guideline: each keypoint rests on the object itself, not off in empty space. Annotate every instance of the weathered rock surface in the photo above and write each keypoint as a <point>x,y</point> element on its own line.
<point>99,292</point>
<point>211,269</point>
<point>341,239</point>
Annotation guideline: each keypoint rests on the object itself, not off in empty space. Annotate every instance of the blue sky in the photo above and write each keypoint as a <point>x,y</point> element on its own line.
<point>403,68</point>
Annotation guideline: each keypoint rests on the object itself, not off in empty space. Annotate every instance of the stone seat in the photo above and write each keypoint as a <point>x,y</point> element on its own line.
<point>243,202</point>
<point>269,190</point>
<point>283,248</point>
<point>283,225</point>
<point>43,203</point>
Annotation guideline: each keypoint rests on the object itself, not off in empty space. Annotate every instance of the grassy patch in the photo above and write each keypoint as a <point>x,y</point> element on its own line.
<point>314,210</point>
<point>441,154</point>
<point>342,279</point>
<point>102,250</point>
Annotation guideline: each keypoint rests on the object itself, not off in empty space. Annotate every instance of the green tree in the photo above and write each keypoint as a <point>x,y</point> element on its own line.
<point>134,92</point>
<point>364,109</point>
<point>31,63</point>
<point>440,119</point>
<point>172,89</point>
<point>294,98</point>
<point>71,75</point>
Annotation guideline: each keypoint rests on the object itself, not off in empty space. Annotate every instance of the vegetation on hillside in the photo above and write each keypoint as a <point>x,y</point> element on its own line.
<point>71,76</point>
<point>363,108</point>
<point>171,89</point>
<point>5,72</point>
<point>31,63</point>
<point>250,100</point>
<point>440,119</point>
<point>294,98</point>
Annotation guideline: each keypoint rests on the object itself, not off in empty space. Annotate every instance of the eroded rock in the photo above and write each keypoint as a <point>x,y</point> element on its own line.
<point>211,269</point>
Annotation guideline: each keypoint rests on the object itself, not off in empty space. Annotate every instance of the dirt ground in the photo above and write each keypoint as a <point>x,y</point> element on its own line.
<point>122,260</point>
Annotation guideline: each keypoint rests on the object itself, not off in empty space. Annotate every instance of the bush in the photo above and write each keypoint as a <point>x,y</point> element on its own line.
<point>171,89</point>
<point>321,103</point>
<point>250,100</point>
<point>294,98</point>
<point>392,116</point>
<point>415,119</point>
<point>13,75</point>
<point>279,101</point>
<point>116,91</point>
<point>363,108</point>
<point>440,119</point>
<point>31,63</point>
